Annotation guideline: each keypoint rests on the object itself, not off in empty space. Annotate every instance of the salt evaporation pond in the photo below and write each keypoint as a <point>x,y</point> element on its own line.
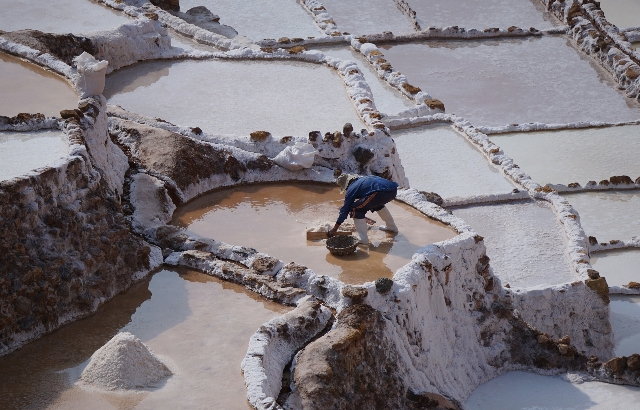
<point>198,324</point>
<point>528,391</point>
<point>438,159</point>
<point>273,219</point>
<point>482,14</point>
<point>260,19</point>
<point>625,321</point>
<point>21,152</point>
<point>582,155</point>
<point>494,83</point>
<point>368,16</point>
<point>608,215</point>
<point>622,13</point>
<point>30,89</point>
<point>619,267</point>
<point>59,16</point>
<point>387,99</point>
<point>236,97</point>
<point>524,241</point>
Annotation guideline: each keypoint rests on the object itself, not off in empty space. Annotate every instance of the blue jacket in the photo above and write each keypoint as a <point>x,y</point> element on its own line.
<point>362,188</point>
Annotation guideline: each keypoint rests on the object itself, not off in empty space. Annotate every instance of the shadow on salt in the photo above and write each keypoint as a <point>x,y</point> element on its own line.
<point>438,159</point>
<point>368,16</point>
<point>21,152</point>
<point>580,155</point>
<point>236,97</point>
<point>608,215</point>
<point>524,240</point>
<point>493,83</point>
<point>273,219</point>
<point>519,390</point>
<point>30,89</point>
<point>625,321</point>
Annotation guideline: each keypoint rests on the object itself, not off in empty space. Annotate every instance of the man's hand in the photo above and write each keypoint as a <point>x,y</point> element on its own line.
<point>333,231</point>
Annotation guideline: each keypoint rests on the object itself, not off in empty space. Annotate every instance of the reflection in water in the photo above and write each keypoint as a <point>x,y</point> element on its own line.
<point>583,155</point>
<point>273,219</point>
<point>608,215</point>
<point>21,152</point>
<point>619,267</point>
<point>31,89</point>
<point>625,321</point>
<point>124,81</point>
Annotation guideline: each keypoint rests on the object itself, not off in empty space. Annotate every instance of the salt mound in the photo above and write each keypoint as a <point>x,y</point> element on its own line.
<point>124,363</point>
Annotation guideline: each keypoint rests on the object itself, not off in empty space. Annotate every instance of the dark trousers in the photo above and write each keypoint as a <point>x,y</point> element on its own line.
<point>372,203</point>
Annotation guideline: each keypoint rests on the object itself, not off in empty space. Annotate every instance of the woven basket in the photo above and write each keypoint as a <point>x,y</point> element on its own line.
<point>342,245</point>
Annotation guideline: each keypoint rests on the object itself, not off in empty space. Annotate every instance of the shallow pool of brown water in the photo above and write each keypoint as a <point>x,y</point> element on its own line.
<point>200,326</point>
<point>273,219</point>
<point>25,87</point>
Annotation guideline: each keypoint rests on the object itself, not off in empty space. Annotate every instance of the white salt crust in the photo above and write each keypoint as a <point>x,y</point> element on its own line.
<point>124,363</point>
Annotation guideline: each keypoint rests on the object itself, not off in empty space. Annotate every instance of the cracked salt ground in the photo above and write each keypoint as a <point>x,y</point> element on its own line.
<point>59,16</point>
<point>43,148</point>
<point>368,17</point>
<point>438,159</point>
<point>582,155</point>
<point>619,267</point>
<point>482,14</point>
<point>282,97</point>
<point>279,214</point>
<point>524,241</point>
<point>608,215</point>
<point>625,321</point>
<point>387,99</point>
<point>29,88</point>
<point>493,83</point>
<point>622,13</point>
<point>260,19</point>
<point>200,325</point>
<point>520,390</point>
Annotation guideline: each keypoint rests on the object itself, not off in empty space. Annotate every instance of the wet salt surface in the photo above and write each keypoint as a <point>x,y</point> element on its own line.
<point>236,97</point>
<point>21,152</point>
<point>622,13</point>
<point>519,391</point>
<point>625,321</point>
<point>524,241</point>
<point>260,19</point>
<point>198,325</point>
<point>619,267</point>
<point>636,45</point>
<point>563,157</point>
<point>438,159</point>
<point>387,99</point>
<point>494,83</point>
<point>273,219</point>
<point>368,16</point>
<point>480,14</point>
<point>25,87</point>
<point>608,215</point>
<point>59,16</point>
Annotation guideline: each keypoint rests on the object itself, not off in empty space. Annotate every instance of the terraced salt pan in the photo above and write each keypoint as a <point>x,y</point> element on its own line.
<point>622,13</point>
<point>608,215</point>
<point>31,89</point>
<point>59,16</point>
<point>625,321</point>
<point>492,83</point>
<point>438,159</point>
<point>524,240</point>
<point>368,16</point>
<point>198,325</point>
<point>236,97</point>
<point>482,14</point>
<point>21,152</point>
<point>520,390</point>
<point>619,267</point>
<point>260,19</point>
<point>636,45</point>
<point>563,157</point>
<point>387,99</point>
<point>273,220</point>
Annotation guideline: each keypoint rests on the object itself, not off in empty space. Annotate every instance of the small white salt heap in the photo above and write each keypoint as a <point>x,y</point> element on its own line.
<point>124,363</point>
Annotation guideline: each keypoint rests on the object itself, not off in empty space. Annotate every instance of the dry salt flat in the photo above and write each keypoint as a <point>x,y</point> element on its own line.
<point>368,17</point>
<point>282,97</point>
<point>43,148</point>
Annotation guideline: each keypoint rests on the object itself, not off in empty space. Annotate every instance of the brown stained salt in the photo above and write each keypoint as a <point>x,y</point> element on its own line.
<point>124,363</point>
